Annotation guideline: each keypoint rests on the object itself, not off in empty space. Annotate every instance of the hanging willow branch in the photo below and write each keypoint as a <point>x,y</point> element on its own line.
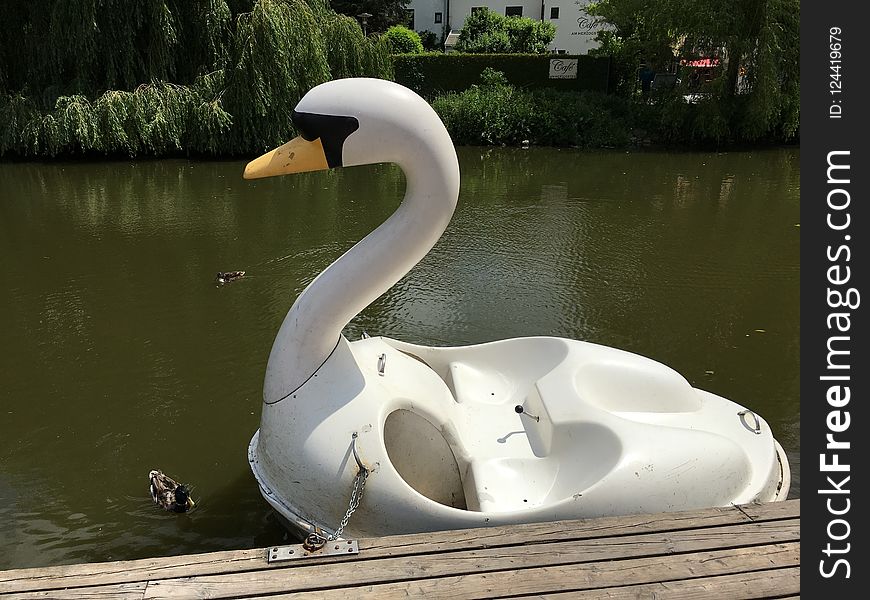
<point>278,55</point>
<point>351,54</point>
<point>163,77</point>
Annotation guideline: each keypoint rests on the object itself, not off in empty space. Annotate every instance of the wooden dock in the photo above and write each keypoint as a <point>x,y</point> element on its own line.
<point>750,551</point>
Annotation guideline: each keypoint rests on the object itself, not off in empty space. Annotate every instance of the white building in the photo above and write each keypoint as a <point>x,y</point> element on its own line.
<point>575,29</point>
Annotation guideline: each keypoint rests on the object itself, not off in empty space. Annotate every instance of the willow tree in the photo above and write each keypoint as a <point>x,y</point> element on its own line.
<point>755,92</point>
<point>79,46</point>
<point>278,53</point>
<point>167,76</point>
<point>382,13</point>
<point>349,52</point>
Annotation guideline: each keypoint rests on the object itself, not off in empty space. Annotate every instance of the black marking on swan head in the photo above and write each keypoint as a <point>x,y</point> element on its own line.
<point>332,131</point>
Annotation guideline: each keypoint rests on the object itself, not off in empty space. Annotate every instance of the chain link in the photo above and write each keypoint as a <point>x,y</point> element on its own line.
<point>359,483</point>
<point>315,540</point>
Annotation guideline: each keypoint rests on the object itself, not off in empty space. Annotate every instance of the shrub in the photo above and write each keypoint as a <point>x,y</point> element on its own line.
<point>487,32</point>
<point>491,77</point>
<point>429,40</point>
<point>498,113</point>
<point>402,40</point>
<point>528,36</point>
<point>436,73</point>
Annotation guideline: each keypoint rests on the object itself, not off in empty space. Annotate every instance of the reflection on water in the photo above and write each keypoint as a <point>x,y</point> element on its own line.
<point>120,353</point>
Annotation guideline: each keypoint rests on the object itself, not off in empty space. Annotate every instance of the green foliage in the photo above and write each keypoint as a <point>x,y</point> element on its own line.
<point>278,55</point>
<point>755,92</point>
<point>19,124</point>
<point>498,113</point>
<point>73,46</point>
<point>168,76</point>
<point>487,32</point>
<point>529,36</point>
<point>158,118</point>
<point>384,13</point>
<point>494,112</point>
<point>350,54</point>
<point>402,40</point>
<point>493,78</point>
<point>436,73</point>
<point>429,40</point>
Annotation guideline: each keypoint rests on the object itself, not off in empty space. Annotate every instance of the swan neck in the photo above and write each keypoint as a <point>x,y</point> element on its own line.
<point>313,326</point>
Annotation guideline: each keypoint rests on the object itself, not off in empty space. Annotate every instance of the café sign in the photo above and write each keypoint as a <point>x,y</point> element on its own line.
<point>563,68</point>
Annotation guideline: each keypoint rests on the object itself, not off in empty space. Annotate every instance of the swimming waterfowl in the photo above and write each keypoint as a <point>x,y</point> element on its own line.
<point>168,494</point>
<point>227,276</point>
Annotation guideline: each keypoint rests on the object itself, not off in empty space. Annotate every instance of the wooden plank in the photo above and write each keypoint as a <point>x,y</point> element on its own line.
<point>771,583</point>
<point>122,591</point>
<point>395,546</point>
<point>472,562</point>
<point>586,528</point>
<point>130,570</point>
<point>757,584</point>
<point>770,510</point>
<point>568,578</point>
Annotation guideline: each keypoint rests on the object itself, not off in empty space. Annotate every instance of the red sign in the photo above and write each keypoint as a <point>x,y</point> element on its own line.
<point>701,62</point>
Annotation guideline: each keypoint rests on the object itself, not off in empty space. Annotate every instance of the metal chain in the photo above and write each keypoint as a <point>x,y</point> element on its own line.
<point>359,483</point>
<point>315,540</point>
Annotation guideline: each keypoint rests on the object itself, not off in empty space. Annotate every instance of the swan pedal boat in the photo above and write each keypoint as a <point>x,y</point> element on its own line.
<point>512,431</point>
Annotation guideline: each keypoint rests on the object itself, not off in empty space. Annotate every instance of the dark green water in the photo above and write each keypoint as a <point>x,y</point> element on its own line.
<point>119,353</point>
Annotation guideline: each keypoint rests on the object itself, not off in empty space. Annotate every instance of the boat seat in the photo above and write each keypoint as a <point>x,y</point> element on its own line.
<point>579,401</point>
<point>581,454</point>
<point>503,484</point>
<point>621,384</point>
<point>563,444</point>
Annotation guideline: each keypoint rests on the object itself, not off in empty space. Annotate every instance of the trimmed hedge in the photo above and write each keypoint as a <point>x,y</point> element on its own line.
<point>432,74</point>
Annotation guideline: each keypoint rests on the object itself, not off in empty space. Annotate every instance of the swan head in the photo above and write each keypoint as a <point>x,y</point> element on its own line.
<point>357,121</point>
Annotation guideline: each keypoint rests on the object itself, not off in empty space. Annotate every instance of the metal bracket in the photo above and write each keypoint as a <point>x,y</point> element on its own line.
<point>277,554</point>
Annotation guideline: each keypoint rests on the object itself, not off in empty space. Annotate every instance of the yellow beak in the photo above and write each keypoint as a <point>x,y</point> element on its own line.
<point>296,156</point>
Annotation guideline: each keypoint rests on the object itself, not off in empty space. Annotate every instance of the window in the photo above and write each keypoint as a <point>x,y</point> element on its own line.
<point>513,11</point>
<point>476,9</point>
<point>410,17</point>
<point>554,12</point>
<point>437,18</point>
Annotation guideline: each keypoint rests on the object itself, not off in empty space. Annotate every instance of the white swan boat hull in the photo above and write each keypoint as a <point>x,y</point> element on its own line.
<point>520,430</point>
<point>602,432</point>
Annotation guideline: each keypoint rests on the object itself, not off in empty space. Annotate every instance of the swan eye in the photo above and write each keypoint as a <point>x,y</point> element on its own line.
<point>303,125</point>
<point>331,129</point>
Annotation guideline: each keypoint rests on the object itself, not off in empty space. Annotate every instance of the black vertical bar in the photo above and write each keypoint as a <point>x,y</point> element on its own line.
<point>834,262</point>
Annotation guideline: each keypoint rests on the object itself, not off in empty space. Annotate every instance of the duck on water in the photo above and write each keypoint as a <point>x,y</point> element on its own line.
<point>168,494</point>
<point>228,276</point>
<point>511,431</point>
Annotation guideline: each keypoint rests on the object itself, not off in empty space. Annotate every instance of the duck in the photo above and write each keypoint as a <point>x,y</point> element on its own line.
<point>227,276</point>
<point>410,438</point>
<point>168,494</point>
